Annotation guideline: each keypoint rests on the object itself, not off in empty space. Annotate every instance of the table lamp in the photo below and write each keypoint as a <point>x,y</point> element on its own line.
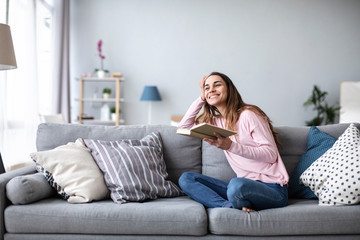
<point>7,59</point>
<point>7,55</point>
<point>150,94</point>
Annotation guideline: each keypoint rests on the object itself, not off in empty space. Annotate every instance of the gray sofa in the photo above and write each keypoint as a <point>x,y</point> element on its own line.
<point>173,218</point>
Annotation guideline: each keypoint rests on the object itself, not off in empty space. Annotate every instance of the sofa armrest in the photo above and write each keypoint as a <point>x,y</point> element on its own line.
<point>4,179</point>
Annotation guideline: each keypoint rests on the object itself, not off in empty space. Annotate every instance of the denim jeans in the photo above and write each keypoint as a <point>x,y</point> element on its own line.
<point>238,193</point>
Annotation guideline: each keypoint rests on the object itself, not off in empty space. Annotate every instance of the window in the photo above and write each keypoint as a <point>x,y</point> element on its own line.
<point>27,89</point>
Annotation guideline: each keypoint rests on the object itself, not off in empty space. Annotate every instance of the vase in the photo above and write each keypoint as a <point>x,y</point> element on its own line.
<point>105,113</point>
<point>100,73</point>
<point>113,117</point>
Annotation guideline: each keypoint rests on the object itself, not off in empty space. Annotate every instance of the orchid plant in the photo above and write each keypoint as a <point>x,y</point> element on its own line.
<point>101,56</point>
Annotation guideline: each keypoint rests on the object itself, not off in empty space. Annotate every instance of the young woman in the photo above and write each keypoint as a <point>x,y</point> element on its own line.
<point>262,179</point>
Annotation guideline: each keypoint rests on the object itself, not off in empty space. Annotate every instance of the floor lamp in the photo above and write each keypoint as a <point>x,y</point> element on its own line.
<point>150,94</point>
<point>7,59</point>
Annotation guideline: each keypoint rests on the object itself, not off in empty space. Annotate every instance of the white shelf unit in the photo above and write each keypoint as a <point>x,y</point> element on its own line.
<point>117,100</point>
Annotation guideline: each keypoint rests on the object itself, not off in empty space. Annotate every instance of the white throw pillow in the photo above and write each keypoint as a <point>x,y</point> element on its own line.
<point>335,176</point>
<point>72,171</point>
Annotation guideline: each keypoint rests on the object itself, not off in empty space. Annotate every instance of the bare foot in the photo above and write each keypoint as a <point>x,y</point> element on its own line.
<point>247,209</point>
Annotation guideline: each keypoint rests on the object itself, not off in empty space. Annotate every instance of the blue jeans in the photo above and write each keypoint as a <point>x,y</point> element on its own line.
<point>238,193</point>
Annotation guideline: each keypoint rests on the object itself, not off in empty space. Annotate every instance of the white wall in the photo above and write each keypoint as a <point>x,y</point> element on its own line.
<point>274,51</point>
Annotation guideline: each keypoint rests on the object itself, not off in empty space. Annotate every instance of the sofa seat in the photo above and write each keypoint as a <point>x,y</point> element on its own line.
<point>300,217</point>
<point>171,216</point>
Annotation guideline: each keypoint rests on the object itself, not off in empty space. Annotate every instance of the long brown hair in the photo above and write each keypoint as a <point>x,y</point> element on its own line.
<point>234,107</point>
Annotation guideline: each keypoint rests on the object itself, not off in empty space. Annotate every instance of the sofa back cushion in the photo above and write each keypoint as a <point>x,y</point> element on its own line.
<point>180,153</point>
<point>215,164</point>
<point>292,139</point>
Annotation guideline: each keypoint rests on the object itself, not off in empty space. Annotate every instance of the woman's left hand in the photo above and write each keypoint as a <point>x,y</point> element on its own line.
<point>220,142</point>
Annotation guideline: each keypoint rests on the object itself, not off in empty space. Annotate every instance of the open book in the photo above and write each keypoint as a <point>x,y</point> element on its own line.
<point>205,130</point>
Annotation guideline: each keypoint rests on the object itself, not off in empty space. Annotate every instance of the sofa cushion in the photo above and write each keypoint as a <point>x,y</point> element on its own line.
<point>180,153</point>
<point>215,163</point>
<point>335,176</point>
<point>28,188</point>
<point>134,170</point>
<point>300,217</point>
<point>317,144</point>
<point>163,216</point>
<point>72,171</point>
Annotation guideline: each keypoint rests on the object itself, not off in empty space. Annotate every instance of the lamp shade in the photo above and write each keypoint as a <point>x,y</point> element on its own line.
<point>7,55</point>
<point>150,93</point>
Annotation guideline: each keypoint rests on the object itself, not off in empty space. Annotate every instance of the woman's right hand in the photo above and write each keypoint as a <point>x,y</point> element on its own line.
<point>202,85</point>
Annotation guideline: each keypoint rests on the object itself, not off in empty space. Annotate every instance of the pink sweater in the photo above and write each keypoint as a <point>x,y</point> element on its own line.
<point>253,153</point>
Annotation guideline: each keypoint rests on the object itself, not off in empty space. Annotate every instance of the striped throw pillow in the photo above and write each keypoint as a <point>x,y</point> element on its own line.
<point>134,170</point>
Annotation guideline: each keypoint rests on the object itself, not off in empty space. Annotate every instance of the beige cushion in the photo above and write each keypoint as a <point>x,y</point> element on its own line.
<point>72,171</point>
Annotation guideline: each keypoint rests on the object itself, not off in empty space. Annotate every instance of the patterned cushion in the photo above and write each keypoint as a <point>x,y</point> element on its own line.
<point>335,176</point>
<point>72,171</point>
<point>134,170</point>
<point>318,143</point>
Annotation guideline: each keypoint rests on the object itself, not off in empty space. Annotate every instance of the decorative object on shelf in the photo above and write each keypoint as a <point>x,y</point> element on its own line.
<point>106,93</point>
<point>105,112</point>
<point>116,75</point>
<point>150,94</point>
<point>7,59</point>
<point>113,113</point>
<point>95,96</point>
<point>325,114</point>
<point>84,116</point>
<point>101,72</point>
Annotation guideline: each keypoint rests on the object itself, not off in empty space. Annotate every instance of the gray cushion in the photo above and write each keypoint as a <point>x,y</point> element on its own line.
<point>300,217</point>
<point>28,188</point>
<point>215,163</point>
<point>180,153</point>
<point>172,216</point>
<point>293,145</point>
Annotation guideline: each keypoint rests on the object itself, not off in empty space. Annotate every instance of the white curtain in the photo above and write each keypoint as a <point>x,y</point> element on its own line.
<point>25,91</point>
<point>19,88</point>
<point>40,84</point>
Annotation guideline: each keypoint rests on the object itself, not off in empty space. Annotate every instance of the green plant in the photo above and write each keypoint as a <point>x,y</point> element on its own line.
<point>97,69</point>
<point>325,114</point>
<point>106,90</point>
<point>113,110</point>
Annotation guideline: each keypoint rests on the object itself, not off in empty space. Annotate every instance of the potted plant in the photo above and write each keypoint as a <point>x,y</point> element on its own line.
<point>113,113</point>
<point>325,114</point>
<point>106,93</point>
<point>101,72</point>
